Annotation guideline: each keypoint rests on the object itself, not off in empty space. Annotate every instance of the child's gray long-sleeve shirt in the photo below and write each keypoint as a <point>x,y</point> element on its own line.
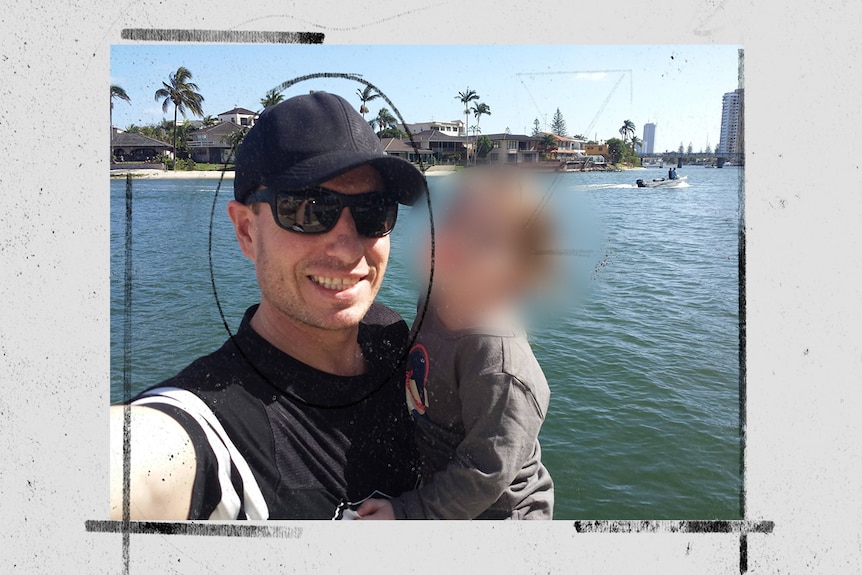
<point>478,399</point>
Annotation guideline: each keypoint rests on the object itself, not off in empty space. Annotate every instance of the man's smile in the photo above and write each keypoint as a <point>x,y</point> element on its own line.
<point>335,283</point>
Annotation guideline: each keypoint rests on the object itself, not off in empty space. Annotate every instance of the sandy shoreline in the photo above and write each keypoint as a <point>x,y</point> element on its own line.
<point>171,175</point>
<point>433,171</point>
<point>209,175</point>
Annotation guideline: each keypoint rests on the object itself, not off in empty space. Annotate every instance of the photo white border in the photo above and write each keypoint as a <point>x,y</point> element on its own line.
<point>803,314</point>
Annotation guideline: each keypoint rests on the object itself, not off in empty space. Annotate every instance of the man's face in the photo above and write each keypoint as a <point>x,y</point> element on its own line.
<point>329,280</point>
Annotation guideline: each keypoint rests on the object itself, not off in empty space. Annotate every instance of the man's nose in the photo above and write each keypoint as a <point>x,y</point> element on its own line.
<point>343,241</point>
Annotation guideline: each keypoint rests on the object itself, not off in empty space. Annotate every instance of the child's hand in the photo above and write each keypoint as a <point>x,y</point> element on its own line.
<point>376,509</point>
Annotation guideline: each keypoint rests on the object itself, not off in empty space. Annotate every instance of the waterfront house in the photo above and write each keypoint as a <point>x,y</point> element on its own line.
<point>453,128</point>
<point>208,145</point>
<point>567,148</point>
<point>130,147</point>
<point>507,148</point>
<point>403,149</point>
<point>443,147</point>
<point>239,116</point>
<point>514,149</point>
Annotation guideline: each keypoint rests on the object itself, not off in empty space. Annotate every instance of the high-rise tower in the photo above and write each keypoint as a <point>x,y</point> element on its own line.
<point>731,140</point>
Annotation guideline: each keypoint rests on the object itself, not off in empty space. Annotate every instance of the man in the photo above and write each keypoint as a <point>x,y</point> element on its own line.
<point>302,411</point>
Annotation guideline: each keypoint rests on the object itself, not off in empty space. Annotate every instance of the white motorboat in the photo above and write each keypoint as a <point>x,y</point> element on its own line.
<point>662,183</point>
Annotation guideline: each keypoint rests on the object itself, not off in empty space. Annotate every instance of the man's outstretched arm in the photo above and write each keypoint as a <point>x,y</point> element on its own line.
<point>162,466</point>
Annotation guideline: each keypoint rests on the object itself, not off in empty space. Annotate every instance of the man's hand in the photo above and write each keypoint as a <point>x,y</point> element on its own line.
<point>376,509</point>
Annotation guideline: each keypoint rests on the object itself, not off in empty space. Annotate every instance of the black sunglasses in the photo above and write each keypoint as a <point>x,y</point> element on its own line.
<point>316,210</point>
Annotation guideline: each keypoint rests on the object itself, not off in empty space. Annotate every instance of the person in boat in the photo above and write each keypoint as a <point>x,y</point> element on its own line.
<point>302,410</point>
<point>477,395</point>
<point>670,173</point>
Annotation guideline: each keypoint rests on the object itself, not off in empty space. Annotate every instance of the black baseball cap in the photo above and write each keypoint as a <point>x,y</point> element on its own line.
<point>309,139</point>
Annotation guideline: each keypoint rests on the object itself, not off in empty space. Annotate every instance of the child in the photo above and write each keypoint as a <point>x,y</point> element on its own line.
<point>477,395</point>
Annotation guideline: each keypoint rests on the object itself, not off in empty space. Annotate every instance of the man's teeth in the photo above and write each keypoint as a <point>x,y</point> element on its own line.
<point>334,283</point>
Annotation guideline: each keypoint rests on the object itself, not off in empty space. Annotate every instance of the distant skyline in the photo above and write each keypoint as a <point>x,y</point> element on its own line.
<point>679,88</point>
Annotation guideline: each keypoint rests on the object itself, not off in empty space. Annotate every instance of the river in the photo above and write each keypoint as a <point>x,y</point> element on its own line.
<point>642,356</point>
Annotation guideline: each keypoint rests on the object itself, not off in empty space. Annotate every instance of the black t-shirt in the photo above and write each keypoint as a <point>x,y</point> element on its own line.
<point>288,441</point>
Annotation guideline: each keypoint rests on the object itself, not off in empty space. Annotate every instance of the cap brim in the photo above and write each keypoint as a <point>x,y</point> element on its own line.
<point>400,176</point>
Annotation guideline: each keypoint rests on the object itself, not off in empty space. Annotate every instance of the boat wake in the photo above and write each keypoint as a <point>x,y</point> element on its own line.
<point>609,186</point>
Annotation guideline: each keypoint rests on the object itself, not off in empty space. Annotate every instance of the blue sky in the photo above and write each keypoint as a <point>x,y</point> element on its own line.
<point>677,87</point>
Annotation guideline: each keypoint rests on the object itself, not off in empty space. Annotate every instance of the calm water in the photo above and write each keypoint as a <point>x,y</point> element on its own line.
<point>641,354</point>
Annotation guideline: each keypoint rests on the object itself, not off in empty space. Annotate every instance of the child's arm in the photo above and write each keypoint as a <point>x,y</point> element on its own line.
<point>502,419</point>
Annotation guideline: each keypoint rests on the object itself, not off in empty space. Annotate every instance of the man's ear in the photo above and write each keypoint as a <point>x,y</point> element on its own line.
<point>242,217</point>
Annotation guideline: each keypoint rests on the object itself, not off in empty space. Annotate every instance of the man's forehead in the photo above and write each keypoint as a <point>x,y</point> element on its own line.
<point>359,179</point>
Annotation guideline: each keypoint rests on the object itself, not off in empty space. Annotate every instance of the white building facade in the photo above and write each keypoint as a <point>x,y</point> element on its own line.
<point>453,128</point>
<point>648,145</point>
<point>239,116</point>
<point>731,139</point>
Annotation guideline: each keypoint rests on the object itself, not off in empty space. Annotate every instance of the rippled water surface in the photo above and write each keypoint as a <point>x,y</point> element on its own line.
<point>642,356</point>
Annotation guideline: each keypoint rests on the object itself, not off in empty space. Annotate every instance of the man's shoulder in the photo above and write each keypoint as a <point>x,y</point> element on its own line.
<point>232,370</point>
<point>380,315</point>
<point>212,374</point>
<point>383,335</point>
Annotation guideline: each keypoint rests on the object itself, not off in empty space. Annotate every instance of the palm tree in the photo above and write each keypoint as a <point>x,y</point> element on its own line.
<point>383,120</point>
<point>210,121</point>
<point>480,109</point>
<point>182,93</point>
<point>466,97</point>
<point>181,133</point>
<point>120,94</point>
<point>366,95</point>
<point>234,139</point>
<point>549,142</point>
<point>154,131</point>
<point>636,142</point>
<point>271,98</point>
<point>628,128</point>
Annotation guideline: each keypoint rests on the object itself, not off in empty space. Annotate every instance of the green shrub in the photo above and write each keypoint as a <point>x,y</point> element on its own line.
<point>187,164</point>
<point>181,164</point>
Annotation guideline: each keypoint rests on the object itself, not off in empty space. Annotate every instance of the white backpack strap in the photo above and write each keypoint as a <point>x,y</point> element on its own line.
<point>224,450</point>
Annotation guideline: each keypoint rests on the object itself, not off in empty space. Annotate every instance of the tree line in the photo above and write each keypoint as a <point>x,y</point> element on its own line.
<point>181,93</point>
<point>184,95</point>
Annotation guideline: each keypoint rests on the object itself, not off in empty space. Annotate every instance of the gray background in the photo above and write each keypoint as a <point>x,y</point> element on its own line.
<point>804,356</point>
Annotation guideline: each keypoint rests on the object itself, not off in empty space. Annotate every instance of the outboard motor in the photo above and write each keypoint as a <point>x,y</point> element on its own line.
<point>641,184</point>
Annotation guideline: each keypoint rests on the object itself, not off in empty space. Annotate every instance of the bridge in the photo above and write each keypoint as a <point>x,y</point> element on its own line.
<point>718,158</point>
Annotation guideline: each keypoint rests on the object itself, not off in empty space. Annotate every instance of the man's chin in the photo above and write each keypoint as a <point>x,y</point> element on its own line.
<point>339,309</point>
<point>340,319</point>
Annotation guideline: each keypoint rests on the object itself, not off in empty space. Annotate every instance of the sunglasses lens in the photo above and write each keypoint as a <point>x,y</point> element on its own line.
<point>375,220</point>
<point>308,213</point>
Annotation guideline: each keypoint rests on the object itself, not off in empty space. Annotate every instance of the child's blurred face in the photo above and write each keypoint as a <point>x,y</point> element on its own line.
<point>479,262</point>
